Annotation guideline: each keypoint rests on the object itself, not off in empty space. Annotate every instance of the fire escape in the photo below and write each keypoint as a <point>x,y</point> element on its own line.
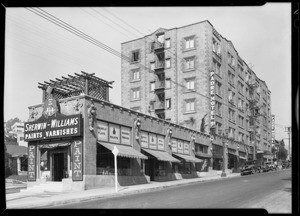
<point>159,71</point>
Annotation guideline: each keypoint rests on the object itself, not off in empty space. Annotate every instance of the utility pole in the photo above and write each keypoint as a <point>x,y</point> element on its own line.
<point>288,130</point>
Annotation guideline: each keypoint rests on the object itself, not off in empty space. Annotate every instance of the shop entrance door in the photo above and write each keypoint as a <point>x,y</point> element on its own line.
<point>58,166</point>
<point>150,168</point>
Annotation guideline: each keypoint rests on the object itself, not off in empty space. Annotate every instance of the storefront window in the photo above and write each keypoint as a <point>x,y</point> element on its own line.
<point>160,169</point>
<point>106,166</point>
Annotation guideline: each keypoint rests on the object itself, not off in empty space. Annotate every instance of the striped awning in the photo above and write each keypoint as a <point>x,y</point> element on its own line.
<point>124,151</point>
<point>162,155</point>
<point>189,158</point>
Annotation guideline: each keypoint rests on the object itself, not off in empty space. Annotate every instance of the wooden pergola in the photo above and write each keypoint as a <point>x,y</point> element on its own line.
<point>77,84</point>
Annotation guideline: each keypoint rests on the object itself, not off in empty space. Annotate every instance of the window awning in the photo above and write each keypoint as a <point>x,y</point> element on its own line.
<point>54,145</point>
<point>204,155</point>
<point>260,152</point>
<point>189,158</point>
<point>162,156</point>
<point>124,151</point>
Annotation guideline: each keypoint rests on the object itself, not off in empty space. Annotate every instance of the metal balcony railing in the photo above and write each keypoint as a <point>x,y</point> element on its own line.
<point>159,106</point>
<point>159,85</point>
<point>158,45</point>
<point>159,65</point>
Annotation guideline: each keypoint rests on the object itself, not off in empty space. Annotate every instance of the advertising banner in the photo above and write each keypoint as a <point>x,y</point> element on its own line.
<point>125,135</point>
<point>160,142</point>
<point>31,163</point>
<point>152,141</point>
<point>114,133</point>
<point>180,146</point>
<point>273,129</point>
<point>102,131</point>
<point>174,145</point>
<point>144,140</point>
<point>186,148</point>
<point>77,166</point>
<point>53,127</point>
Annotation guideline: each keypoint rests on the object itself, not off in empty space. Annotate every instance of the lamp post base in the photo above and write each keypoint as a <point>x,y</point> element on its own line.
<point>223,174</point>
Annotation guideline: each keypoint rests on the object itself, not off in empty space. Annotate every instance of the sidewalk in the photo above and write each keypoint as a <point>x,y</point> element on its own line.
<point>44,199</point>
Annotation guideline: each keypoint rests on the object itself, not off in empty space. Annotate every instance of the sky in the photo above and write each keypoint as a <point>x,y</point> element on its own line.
<point>37,50</point>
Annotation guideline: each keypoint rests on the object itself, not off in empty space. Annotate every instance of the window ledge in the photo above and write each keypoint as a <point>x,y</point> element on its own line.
<point>135,62</point>
<point>188,49</point>
<point>231,84</point>
<point>138,99</point>
<point>232,121</point>
<point>219,95</point>
<point>233,68</point>
<point>133,81</point>
<point>189,112</point>
<point>188,91</point>
<point>220,116</point>
<point>189,70</point>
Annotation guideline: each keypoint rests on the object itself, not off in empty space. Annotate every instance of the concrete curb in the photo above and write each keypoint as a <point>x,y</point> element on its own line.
<point>109,194</point>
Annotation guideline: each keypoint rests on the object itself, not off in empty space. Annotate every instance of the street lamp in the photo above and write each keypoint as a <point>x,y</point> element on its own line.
<point>224,138</point>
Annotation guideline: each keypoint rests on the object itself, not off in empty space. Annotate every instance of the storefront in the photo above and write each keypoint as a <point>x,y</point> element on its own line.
<point>201,152</point>
<point>217,157</point>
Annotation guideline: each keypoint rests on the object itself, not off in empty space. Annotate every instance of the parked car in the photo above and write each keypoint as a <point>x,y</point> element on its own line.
<point>251,167</point>
<point>268,166</point>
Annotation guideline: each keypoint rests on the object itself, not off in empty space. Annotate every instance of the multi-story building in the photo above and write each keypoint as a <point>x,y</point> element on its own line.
<point>18,131</point>
<point>193,76</point>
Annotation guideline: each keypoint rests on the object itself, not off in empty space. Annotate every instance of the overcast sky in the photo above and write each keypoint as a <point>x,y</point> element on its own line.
<point>37,50</point>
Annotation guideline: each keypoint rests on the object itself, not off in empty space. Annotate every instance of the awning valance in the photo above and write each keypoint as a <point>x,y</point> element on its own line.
<point>189,158</point>
<point>204,155</point>
<point>162,156</point>
<point>260,152</point>
<point>18,155</point>
<point>124,151</point>
<point>54,145</point>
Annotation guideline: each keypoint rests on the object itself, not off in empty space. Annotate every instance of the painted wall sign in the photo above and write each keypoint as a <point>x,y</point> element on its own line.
<point>212,99</point>
<point>77,166</point>
<point>144,140</point>
<point>160,142</point>
<point>125,135</point>
<point>273,129</point>
<point>114,133</point>
<point>180,146</point>
<point>53,127</point>
<point>102,131</point>
<point>152,141</point>
<point>31,163</point>
<point>186,148</point>
<point>174,145</point>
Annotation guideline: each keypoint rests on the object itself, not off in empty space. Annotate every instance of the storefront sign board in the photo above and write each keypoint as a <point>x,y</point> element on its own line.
<point>180,146</point>
<point>125,136</point>
<point>102,131</point>
<point>144,140</point>
<point>160,143</point>
<point>31,162</point>
<point>114,133</point>
<point>174,145</point>
<point>186,148</point>
<point>152,141</point>
<point>77,166</point>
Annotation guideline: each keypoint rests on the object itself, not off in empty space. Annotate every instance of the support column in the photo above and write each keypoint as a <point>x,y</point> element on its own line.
<point>18,165</point>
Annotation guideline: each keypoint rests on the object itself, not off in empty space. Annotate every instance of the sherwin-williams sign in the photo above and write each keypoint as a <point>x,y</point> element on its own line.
<point>53,127</point>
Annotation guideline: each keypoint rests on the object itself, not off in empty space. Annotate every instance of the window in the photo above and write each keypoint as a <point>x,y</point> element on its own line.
<point>231,115</point>
<point>152,66</point>
<point>161,38</point>
<point>168,83</point>
<point>218,88</point>
<point>189,43</point>
<point>168,43</point>
<point>190,105</point>
<point>218,126</point>
<point>231,78</point>
<point>189,63</point>
<point>216,47</point>
<point>135,56</point>
<point>231,133</point>
<point>190,84</point>
<point>217,66</point>
<point>168,103</point>
<point>168,63</point>
<point>241,121</point>
<point>240,88</point>
<point>135,75</point>
<point>230,60</point>
<point>231,96</point>
<point>152,86</point>
<point>136,93</point>
<point>240,70</point>
<point>241,137</point>
<point>151,106</point>
<point>218,108</point>
<point>240,104</point>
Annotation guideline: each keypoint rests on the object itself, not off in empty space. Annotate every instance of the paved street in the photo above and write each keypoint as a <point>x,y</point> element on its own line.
<point>271,191</point>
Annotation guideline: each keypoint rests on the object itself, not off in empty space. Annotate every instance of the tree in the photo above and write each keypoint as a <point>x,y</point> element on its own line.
<point>203,124</point>
<point>281,150</point>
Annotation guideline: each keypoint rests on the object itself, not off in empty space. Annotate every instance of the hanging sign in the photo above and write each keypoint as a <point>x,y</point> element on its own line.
<point>52,127</point>
<point>144,140</point>
<point>125,136</point>
<point>273,129</point>
<point>152,141</point>
<point>160,143</point>
<point>102,131</point>
<point>180,146</point>
<point>174,145</point>
<point>212,99</point>
<point>114,133</point>
<point>77,166</point>
<point>31,163</point>
<point>186,148</point>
